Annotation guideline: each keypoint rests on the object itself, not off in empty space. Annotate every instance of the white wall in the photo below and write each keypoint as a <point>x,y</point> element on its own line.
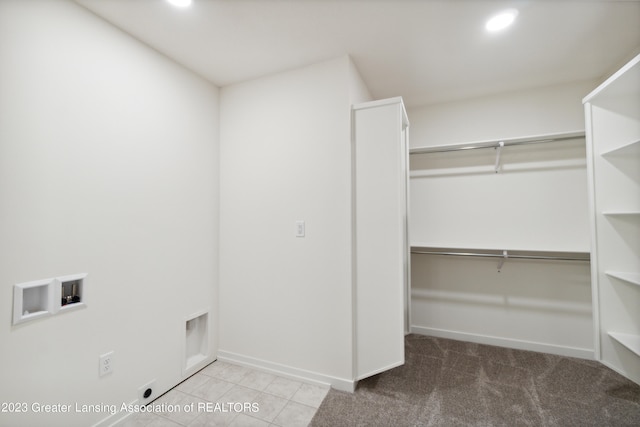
<point>286,156</point>
<point>550,109</point>
<point>109,166</point>
<point>537,202</point>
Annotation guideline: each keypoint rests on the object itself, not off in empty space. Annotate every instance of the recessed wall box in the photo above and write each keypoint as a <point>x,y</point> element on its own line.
<point>196,342</point>
<point>32,300</point>
<point>71,292</point>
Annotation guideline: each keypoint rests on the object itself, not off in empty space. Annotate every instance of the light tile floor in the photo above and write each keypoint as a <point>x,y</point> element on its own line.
<point>265,400</point>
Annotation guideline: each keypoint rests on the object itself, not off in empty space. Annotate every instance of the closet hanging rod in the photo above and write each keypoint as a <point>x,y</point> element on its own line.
<point>539,139</point>
<point>515,254</point>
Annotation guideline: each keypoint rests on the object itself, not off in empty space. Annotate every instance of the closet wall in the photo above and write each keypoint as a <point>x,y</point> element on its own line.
<point>285,157</point>
<point>537,201</point>
<point>108,166</point>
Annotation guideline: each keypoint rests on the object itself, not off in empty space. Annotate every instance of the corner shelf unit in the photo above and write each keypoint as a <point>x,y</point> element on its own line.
<point>612,113</point>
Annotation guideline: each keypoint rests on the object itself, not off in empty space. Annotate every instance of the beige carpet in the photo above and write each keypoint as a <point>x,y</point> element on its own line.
<point>455,383</point>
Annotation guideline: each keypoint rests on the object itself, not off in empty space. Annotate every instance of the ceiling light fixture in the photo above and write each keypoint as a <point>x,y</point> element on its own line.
<point>501,20</point>
<point>180,3</point>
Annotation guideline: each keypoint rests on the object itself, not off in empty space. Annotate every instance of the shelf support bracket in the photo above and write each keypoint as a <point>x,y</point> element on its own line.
<point>498,152</point>
<point>505,255</point>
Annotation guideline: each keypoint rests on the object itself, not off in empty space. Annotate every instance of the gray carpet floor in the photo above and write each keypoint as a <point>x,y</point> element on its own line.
<point>454,383</point>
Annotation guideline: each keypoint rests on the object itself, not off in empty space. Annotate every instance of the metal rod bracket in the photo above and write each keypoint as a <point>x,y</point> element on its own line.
<point>499,148</point>
<point>505,255</point>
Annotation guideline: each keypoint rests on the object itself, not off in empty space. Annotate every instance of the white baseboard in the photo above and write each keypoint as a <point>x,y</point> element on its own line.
<point>288,371</point>
<point>120,416</point>
<point>115,419</point>
<point>582,353</point>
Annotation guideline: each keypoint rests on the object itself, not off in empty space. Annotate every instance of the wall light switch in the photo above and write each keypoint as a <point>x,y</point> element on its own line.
<point>299,228</point>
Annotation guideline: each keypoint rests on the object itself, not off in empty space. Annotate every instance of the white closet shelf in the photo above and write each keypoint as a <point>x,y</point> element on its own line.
<point>536,139</point>
<point>621,213</point>
<point>631,150</point>
<point>631,341</point>
<point>633,278</point>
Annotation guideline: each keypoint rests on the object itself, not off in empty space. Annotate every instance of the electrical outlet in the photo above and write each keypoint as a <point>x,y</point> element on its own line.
<point>106,364</point>
<point>300,229</point>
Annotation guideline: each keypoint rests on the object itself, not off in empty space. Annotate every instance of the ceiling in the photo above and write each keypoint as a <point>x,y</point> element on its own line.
<point>426,51</point>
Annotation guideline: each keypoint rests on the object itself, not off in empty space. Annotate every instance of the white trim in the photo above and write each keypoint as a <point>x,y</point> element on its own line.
<point>378,103</point>
<point>115,419</point>
<point>387,101</point>
<point>288,371</point>
<point>582,353</point>
<point>593,234</point>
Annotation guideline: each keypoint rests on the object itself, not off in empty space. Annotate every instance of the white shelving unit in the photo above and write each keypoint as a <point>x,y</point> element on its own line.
<point>612,114</point>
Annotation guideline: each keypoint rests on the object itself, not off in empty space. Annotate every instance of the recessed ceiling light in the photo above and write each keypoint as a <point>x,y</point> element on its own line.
<point>501,20</point>
<point>180,3</point>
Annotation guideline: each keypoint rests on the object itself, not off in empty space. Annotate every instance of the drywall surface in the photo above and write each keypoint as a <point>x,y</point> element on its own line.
<point>286,157</point>
<point>108,166</point>
<point>531,305</point>
<point>550,109</point>
<point>536,201</point>
<point>538,198</point>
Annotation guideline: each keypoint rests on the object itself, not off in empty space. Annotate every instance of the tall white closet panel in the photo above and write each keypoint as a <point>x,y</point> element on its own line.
<point>381,249</point>
<point>612,114</point>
